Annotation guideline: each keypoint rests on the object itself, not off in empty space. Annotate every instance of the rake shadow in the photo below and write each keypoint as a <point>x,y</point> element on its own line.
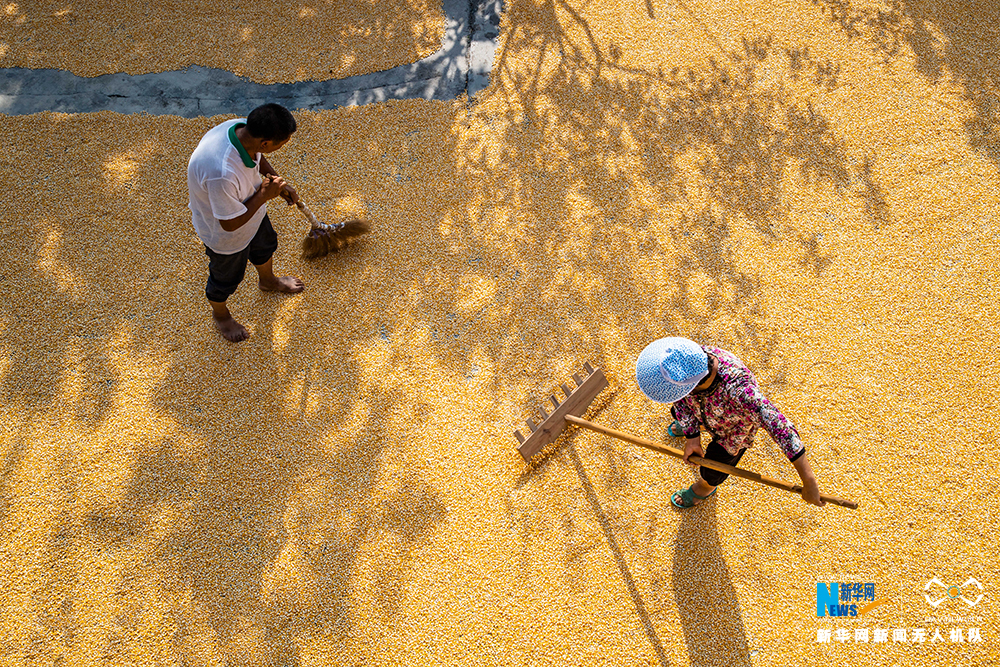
<point>627,578</point>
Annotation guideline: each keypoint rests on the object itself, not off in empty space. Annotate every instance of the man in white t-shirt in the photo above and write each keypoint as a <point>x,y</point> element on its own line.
<point>228,202</point>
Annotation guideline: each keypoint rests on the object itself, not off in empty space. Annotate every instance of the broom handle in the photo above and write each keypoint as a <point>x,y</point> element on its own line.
<point>714,465</point>
<point>313,222</point>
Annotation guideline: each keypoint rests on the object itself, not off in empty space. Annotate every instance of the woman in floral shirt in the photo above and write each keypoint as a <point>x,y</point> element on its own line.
<point>712,388</point>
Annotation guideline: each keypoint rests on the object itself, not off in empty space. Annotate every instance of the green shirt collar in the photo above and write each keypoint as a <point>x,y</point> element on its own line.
<point>248,161</point>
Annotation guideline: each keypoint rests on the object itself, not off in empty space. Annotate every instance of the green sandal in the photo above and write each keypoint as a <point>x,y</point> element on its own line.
<point>674,430</point>
<point>688,498</point>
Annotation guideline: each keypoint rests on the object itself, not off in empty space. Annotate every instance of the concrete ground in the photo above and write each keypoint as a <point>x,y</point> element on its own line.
<point>461,66</point>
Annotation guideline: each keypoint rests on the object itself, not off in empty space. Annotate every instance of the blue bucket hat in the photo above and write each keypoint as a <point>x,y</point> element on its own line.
<point>670,368</point>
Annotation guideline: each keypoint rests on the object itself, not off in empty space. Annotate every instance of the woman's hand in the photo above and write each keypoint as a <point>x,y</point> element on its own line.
<point>810,489</point>
<point>693,446</point>
<point>810,493</point>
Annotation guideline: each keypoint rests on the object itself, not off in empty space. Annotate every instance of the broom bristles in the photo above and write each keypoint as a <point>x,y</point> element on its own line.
<point>324,239</point>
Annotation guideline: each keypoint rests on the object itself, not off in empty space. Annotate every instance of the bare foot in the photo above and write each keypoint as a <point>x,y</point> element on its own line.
<point>230,329</point>
<point>287,284</point>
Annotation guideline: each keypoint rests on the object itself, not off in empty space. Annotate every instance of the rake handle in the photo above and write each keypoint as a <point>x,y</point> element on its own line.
<point>714,465</point>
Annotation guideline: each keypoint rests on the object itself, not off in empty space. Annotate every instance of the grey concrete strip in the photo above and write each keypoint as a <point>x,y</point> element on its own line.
<point>462,64</point>
<point>483,43</point>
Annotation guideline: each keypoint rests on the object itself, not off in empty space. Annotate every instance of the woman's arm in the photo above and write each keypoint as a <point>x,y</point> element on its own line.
<point>784,433</point>
<point>781,430</point>
<point>810,487</point>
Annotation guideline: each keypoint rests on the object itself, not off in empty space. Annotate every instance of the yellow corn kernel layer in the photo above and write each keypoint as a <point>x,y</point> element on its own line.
<point>266,41</point>
<point>343,488</point>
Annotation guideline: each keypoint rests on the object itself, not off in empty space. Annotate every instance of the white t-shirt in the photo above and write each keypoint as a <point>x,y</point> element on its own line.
<point>221,176</point>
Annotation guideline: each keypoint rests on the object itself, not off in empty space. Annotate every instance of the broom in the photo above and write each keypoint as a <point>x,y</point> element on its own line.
<point>323,238</point>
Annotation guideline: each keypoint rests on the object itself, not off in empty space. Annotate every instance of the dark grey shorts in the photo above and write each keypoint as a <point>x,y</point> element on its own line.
<point>715,452</point>
<point>225,272</point>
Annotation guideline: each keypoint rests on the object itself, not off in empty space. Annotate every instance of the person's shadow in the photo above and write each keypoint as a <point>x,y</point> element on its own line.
<point>707,605</point>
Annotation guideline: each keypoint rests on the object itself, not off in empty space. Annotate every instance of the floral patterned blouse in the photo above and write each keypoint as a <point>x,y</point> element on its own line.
<point>733,410</point>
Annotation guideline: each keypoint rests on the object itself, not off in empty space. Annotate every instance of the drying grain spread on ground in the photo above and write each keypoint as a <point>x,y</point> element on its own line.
<point>811,185</point>
<point>266,41</point>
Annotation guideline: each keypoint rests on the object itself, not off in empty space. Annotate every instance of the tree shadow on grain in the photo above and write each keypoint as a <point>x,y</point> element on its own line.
<point>577,126</point>
<point>876,208</point>
<point>49,618</point>
<point>707,250</point>
<point>69,358</point>
<point>77,303</point>
<point>600,172</point>
<point>57,336</point>
<point>414,509</point>
<point>285,444</point>
<point>266,552</point>
<point>269,522</point>
<point>707,605</point>
<point>228,497</point>
<point>947,39</point>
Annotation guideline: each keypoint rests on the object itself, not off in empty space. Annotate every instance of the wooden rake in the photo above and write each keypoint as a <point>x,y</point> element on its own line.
<point>545,430</point>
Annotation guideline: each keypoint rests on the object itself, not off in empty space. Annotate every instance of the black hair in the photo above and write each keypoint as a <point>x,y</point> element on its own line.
<point>271,122</point>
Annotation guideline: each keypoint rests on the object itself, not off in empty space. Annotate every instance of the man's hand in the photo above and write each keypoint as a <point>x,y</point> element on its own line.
<point>810,493</point>
<point>289,194</point>
<point>271,187</point>
<point>692,446</point>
